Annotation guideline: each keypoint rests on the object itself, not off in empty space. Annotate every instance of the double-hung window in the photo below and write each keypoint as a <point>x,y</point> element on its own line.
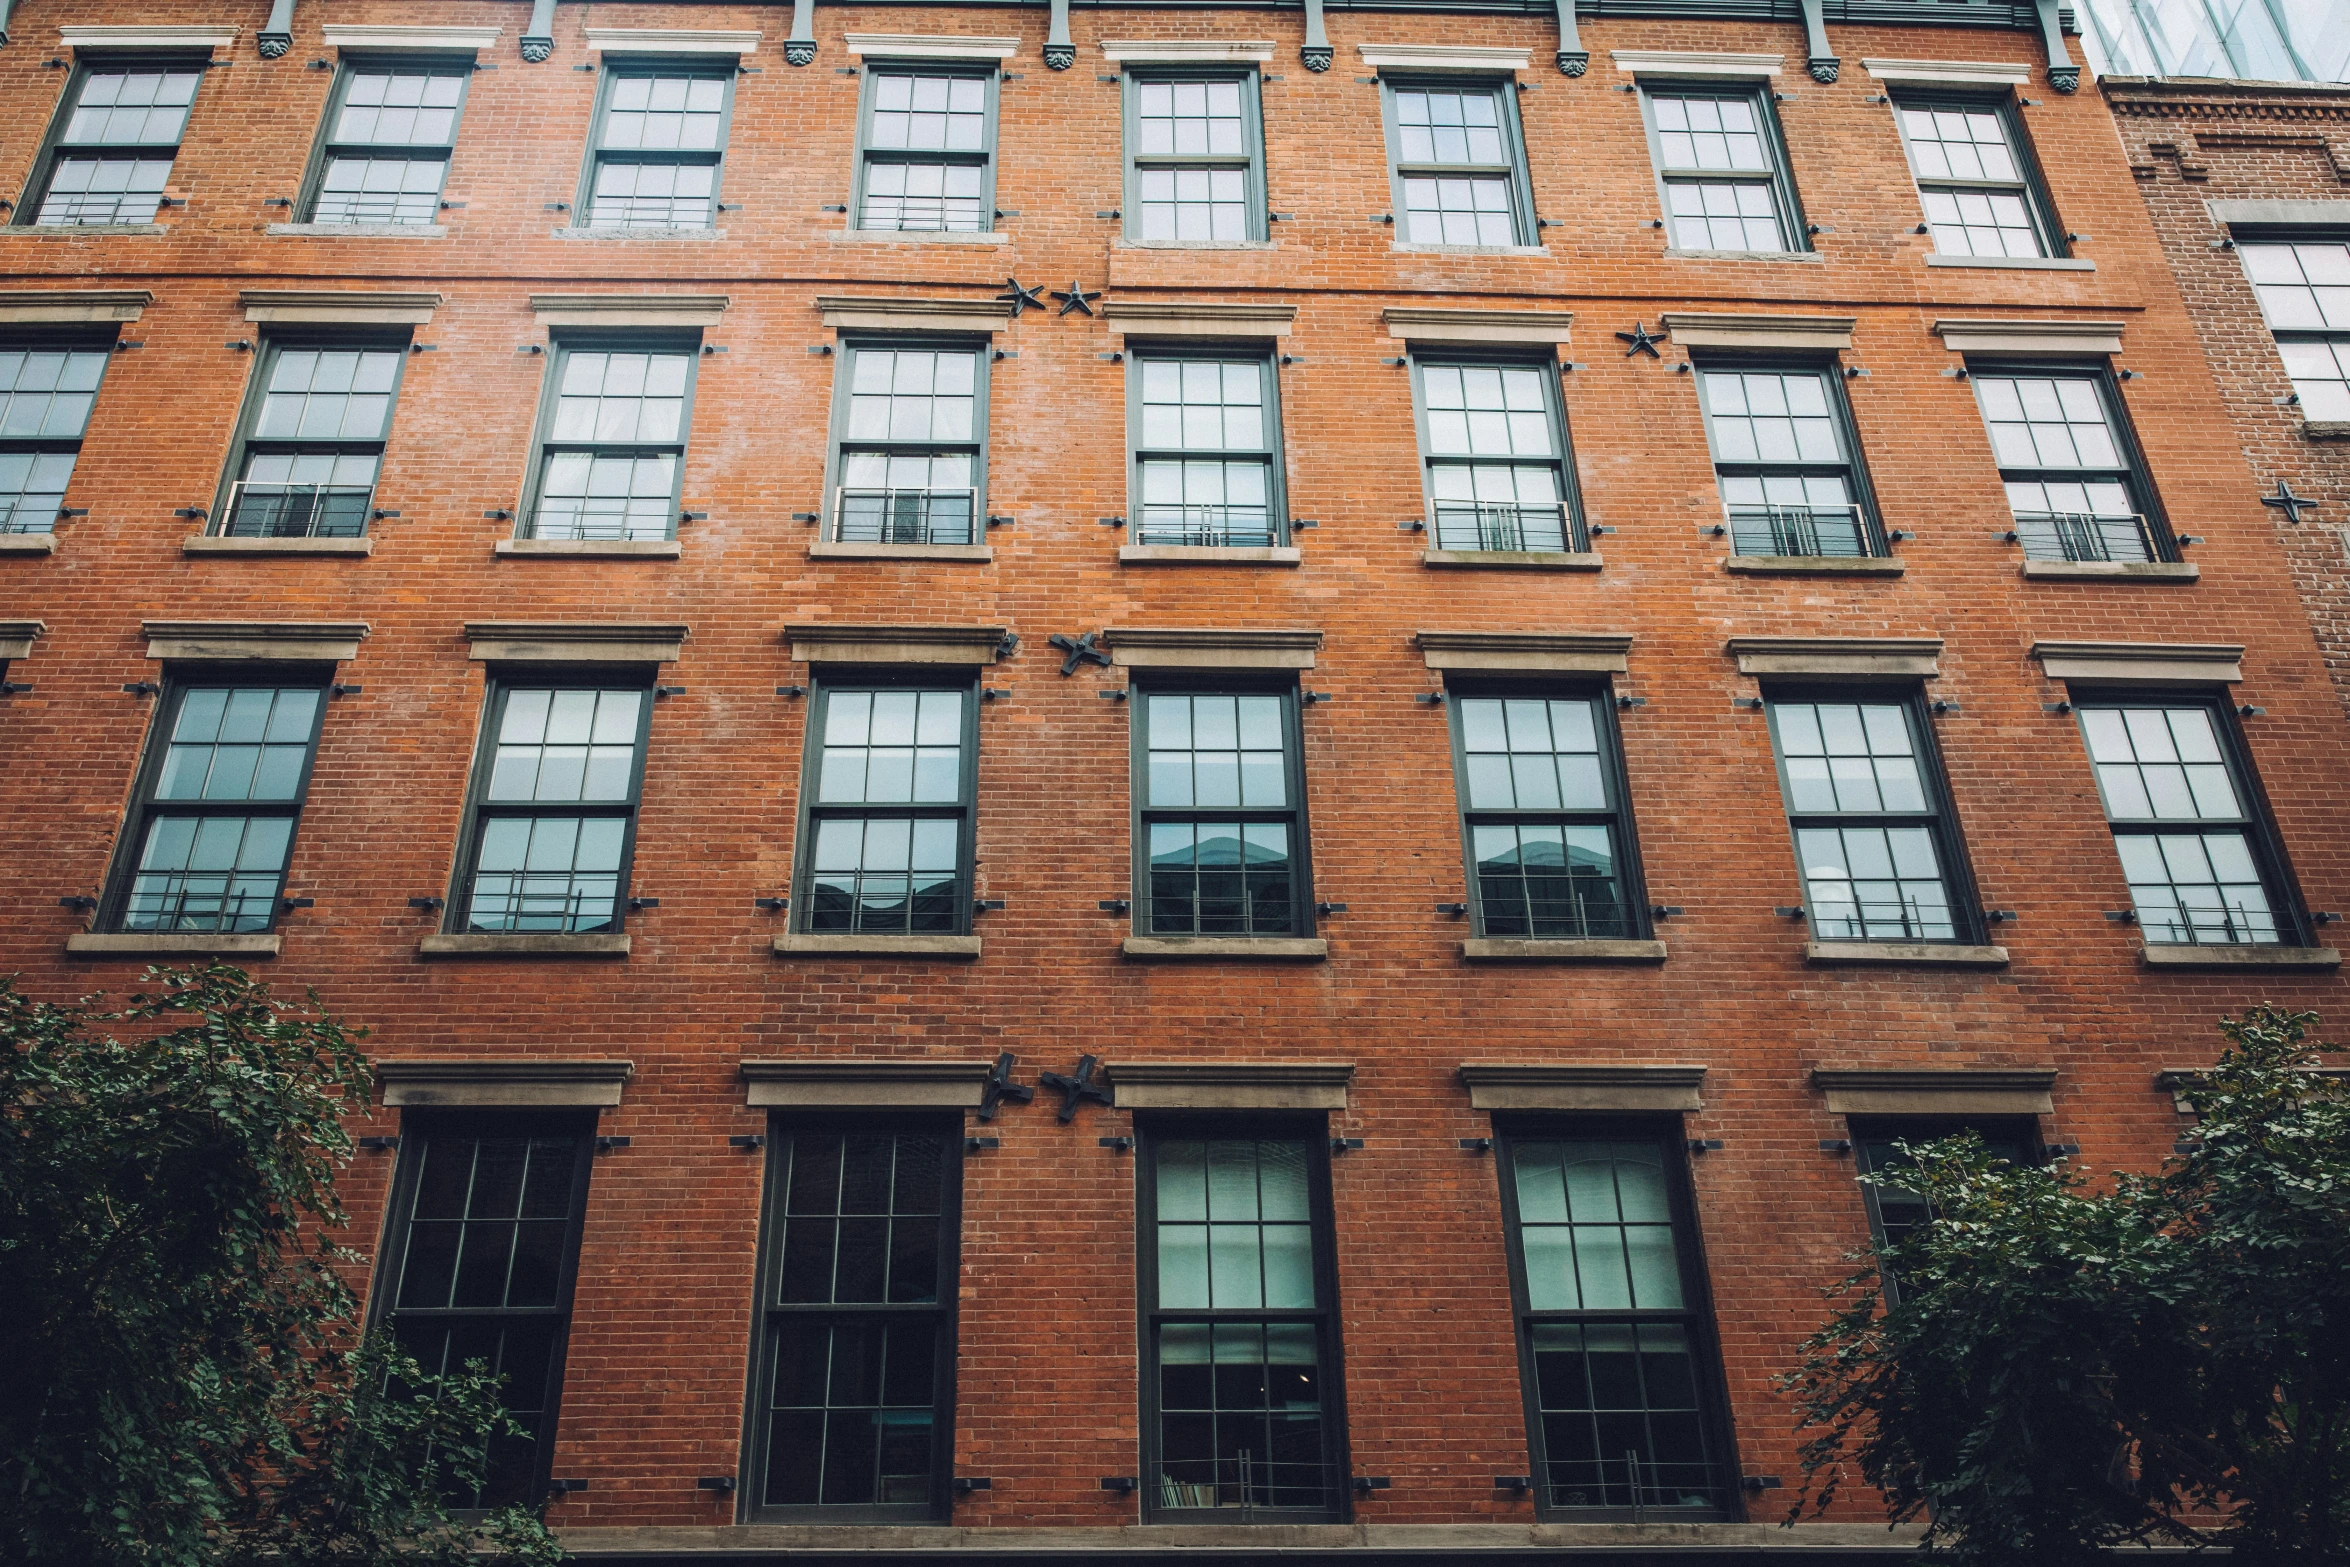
<point>908,462</point>
<point>312,439</point>
<point>110,157</point>
<point>479,1260</point>
<point>1207,449</point>
<point>1542,808</point>
<point>46,394</point>
<point>1220,816</point>
<point>1494,440</point>
<point>888,821</point>
<point>612,448</point>
<point>1195,157</point>
<point>212,826</point>
<point>1722,169</point>
<point>2074,483</point>
<point>660,137</point>
<point>1874,836</point>
<point>854,1381</point>
<point>2194,841</point>
<point>1460,167</point>
<point>1241,1414</point>
<point>1615,1341</point>
<point>1785,457</point>
<point>390,132</point>
<point>2304,290</point>
<point>929,161</point>
<point>1981,194</point>
<point>553,811</point>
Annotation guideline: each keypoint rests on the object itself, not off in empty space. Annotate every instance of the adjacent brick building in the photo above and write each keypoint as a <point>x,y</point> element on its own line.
<point>1505,655</point>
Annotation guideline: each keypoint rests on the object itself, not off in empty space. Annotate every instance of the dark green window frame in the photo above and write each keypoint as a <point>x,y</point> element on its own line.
<point>2288,911</point>
<point>1574,1494</point>
<point>480,810</point>
<point>521,1468</point>
<point>870,156</point>
<point>1894,1213</point>
<point>599,156</point>
<point>53,149</point>
<point>1250,160</point>
<point>1512,170</point>
<point>891,515</point>
<point>329,146</point>
<point>1291,814</point>
<point>545,447</point>
<point>1779,178</point>
<point>1936,817</point>
<point>1507,529</point>
<point>1209,529</point>
<point>2030,185</point>
<point>830,682</point>
<point>1185,1497</point>
<point>332,511</point>
<point>2044,535</point>
<point>1632,920</point>
<point>1782,531</point>
<point>26,504</point>
<point>147,808</point>
<point>779,1320</point>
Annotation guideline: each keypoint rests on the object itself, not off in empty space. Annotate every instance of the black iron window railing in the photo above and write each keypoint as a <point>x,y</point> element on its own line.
<point>2082,535</point>
<point>219,797</point>
<point>1771,529</point>
<point>1197,523</point>
<point>258,510</point>
<point>1248,1483</point>
<point>1516,526</point>
<point>906,516</point>
<point>1622,1399</point>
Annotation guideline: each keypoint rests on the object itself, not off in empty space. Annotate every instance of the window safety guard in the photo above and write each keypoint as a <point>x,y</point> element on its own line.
<point>1509,525</point>
<point>1247,1484</point>
<point>1801,530</point>
<point>1227,526</point>
<point>2085,536</point>
<point>296,511</point>
<point>906,516</point>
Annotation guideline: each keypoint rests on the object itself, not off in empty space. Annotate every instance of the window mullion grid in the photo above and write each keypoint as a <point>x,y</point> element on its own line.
<point>517,918</point>
<point>1931,824</point>
<point>1574,535</point>
<point>866,812</point>
<point>1315,1317</point>
<point>1287,816</point>
<point>227,920</point>
<point>1276,514</point>
<point>1605,819</point>
<point>12,517</point>
<point>674,450</point>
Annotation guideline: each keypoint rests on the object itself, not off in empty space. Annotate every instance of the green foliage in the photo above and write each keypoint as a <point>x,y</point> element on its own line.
<point>2067,1368</point>
<point>185,1386</point>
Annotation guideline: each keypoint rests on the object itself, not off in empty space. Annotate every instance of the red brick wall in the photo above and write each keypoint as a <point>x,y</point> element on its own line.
<point>1047,1378</point>
<point>2190,143</point>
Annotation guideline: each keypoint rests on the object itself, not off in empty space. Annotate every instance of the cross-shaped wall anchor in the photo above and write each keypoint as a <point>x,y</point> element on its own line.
<point>1074,1091</point>
<point>1000,1087</point>
<point>1020,298</point>
<point>1642,341</point>
<point>1075,297</point>
<point>1081,650</point>
<point>2288,503</point>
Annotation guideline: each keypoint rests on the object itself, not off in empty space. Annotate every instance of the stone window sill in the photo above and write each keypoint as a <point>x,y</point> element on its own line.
<point>1744,255</point>
<point>620,233</point>
<point>1905,953</point>
<point>2326,429</point>
<point>361,230</point>
<point>1515,560</point>
<point>1490,949</point>
<point>1403,247</point>
<point>1814,565</point>
<point>835,551</point>
<point>67,230</point>
<point>2017,263</point>
<point>173,944</point>
<point>2187,955</point>
<point>1208,555</point>
<point>537,945</point>
<point>607,549</point>
<point>28,543</point>
<point>1195,244</point>
<point>962,948</point>
<point>1312,949</point>
<point>214,544</point>
<point>918,237</point>
<point>2112,570</point>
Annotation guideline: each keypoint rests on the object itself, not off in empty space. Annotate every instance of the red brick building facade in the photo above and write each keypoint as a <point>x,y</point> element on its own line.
<point>1494,667</point>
